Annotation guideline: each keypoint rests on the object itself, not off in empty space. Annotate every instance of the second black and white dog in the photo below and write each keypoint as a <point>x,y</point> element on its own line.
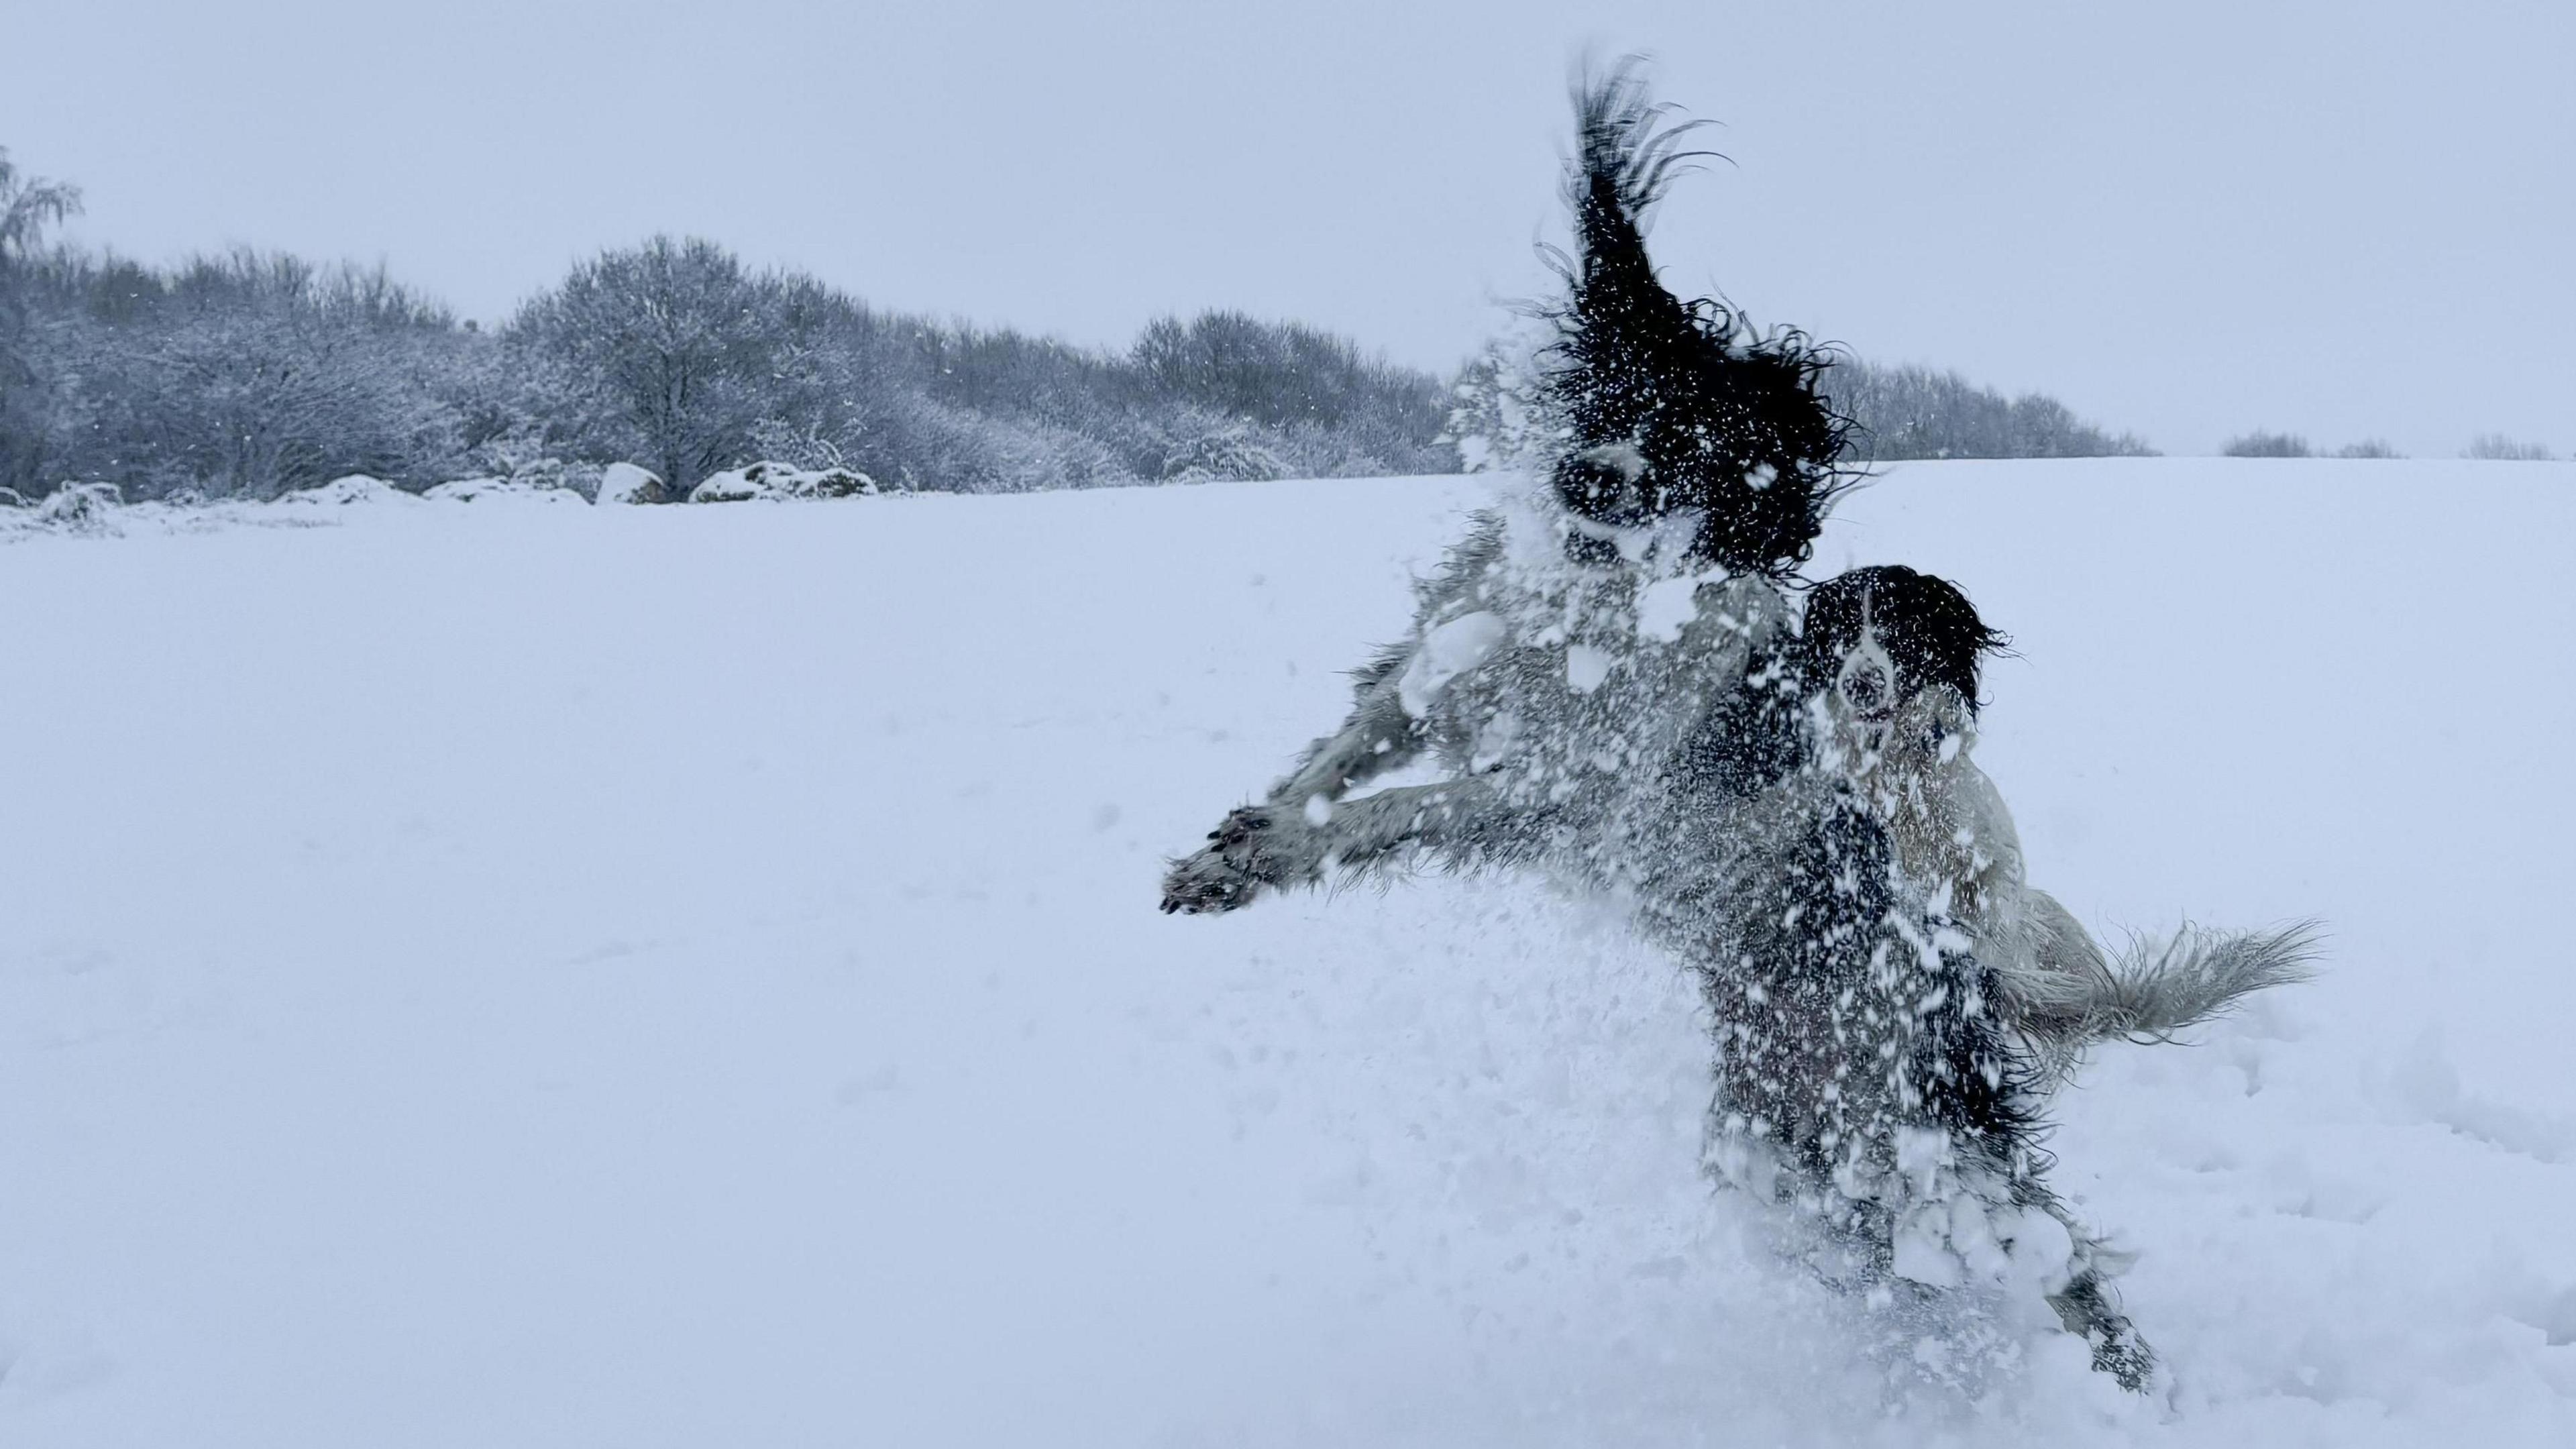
<point>1628,689</point>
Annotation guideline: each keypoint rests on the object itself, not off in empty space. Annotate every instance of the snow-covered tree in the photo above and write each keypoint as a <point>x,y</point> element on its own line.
<point>28,205</point>
<point>678,342</point>
<point>2500,447</point>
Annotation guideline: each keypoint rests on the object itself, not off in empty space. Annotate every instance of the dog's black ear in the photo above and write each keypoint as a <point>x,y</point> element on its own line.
<point>1727,423</point>
<point>1628,150</point>
<point>1939,634</point>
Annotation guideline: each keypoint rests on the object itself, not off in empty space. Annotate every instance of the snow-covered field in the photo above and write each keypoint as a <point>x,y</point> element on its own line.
<point>510,975</point>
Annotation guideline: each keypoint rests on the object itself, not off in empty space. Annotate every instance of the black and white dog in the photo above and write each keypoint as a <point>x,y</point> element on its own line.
<point>1629,689</point>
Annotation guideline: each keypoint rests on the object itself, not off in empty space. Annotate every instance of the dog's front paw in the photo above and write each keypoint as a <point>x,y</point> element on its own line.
<point>1251,850</point>
<point>1204,882</point>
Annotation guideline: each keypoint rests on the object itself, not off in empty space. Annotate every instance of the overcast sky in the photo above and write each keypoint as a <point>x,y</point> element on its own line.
<point>2189,218</point>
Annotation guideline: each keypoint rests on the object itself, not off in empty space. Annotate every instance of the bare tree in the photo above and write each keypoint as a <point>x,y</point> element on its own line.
<point>2268,445</point>
<point>28,205</point>
<point>2498,447</point>
<point>674,337</point>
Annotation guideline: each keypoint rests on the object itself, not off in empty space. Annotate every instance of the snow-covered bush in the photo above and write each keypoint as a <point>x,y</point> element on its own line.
<point>2268,445</point>
<point>530,461</point>
<point>243,375</point>
<point>2497,447</point>
<point>802,447</point>
<point>1227,453</point>
<point>917,442</point>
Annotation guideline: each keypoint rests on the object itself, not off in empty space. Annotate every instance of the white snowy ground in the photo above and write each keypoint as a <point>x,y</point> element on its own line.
<point>498,976</point>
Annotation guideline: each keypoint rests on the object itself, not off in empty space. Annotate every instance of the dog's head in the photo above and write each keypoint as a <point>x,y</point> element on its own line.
<point>1886,642</point>
<point>1672,406</point>
<point>1741,441</point>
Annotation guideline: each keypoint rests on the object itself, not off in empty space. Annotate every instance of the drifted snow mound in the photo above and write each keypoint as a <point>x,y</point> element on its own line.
<point>84,509</point>
<point>777,482</point>
<point>356,488</point>
<point>626,483</point>
<point>97,510</point>
<point>508,491</point>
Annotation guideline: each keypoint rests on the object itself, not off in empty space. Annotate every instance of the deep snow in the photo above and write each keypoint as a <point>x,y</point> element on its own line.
<point>689,976</point>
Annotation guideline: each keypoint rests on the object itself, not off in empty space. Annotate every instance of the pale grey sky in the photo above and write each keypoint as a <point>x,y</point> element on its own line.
<point>2188,217</point>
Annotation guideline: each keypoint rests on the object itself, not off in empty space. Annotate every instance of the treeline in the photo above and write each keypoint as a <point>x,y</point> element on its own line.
<point>2487,447</point>
<point>247,374</point>
<point>1916,412</point>
<point>250,374</point>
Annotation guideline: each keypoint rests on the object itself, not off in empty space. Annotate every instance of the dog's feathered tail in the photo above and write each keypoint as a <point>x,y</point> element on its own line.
<point>2153,992</point>
<point>2159,988</point>
<point>1725,420</point>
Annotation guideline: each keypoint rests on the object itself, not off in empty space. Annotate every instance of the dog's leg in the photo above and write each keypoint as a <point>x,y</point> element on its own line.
<point>1380,733</point>
<point>1467,823</point>
<point>1270,847</point>
<point>1271,844</point>
<point>1260,845</point>
<point>1858,1019</point>
<point>1378,736</point>
<point>2087,1306</point>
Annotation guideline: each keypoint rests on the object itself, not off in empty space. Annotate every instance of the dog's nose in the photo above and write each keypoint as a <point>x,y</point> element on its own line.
<point>1865,687</point>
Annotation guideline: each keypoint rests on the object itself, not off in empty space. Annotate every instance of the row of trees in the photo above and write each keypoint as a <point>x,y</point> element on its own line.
<point>1916,412</point>
<point>674,354</point>
<point>2491,447</point>
<point>248,374</point>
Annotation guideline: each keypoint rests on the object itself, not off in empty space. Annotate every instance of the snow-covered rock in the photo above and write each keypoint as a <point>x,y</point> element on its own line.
<point>356,488</point>
<point>775,482</point>
<point>626,483</point>
<point>499,490</point>
<point>736,485</point>
<point>835,483</point>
